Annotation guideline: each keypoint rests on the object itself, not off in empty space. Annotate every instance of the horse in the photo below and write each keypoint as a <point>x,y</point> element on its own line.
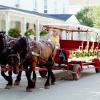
<point>5,52</point>
<point>37,54</point>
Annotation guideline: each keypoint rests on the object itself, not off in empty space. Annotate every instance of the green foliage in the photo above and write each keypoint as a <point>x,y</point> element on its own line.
<point>43,33</point>
<point>29,32</point>
<point>96,16</point>
<point>14,32</point>
<point>84,17</point>
<point>90,16</point>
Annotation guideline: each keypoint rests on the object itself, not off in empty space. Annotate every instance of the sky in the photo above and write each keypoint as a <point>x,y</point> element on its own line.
<point>29,4</point>
<point>24,4</point>
<point>7,2</point>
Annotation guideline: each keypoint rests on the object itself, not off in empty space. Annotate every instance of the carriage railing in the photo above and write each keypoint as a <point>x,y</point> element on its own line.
<point>83,49</point>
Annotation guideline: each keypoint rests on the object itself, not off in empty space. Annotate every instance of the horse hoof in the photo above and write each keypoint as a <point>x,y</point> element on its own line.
<point>47,87</point>
<point>17,83</point>
<point>28,90</point>
<point>8,87</point>
<point>33,86</point>
<point>53,83</point>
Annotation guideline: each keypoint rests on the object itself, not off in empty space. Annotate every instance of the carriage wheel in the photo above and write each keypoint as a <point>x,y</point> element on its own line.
<point>76,72</point>
<point>43,73</point>
<point>97,70</point>
<point>97,65</point>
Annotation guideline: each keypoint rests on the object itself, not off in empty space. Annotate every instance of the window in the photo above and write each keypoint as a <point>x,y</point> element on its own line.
<point>35,5</point>
<point>18,25</point>
<point>15,24</point>
<point>45,6</point>
<point>45,11</point>
<point>2,26</point>
<point>27,26</point>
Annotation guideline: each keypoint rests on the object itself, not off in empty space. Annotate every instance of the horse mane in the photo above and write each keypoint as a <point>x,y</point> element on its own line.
<point>21,42</point>
<point>21,46</point>
<point>2,42</point>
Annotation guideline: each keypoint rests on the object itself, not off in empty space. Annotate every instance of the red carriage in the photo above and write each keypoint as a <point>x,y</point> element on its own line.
<point>75,55</point>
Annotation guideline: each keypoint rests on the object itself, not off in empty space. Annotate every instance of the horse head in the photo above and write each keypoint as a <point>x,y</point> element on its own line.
<point>13,60</point>
<point>17,53</point>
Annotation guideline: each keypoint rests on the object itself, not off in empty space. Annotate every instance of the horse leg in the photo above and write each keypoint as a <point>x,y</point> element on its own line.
<point>17,81</point>
<point>30,82</point>
<point>51,63</point>
<point>10,82</point>
<point>33,65</point>
<point>8,78</point>
<point>52,78</point>
<point>47,84</point>
<point>34,79</point>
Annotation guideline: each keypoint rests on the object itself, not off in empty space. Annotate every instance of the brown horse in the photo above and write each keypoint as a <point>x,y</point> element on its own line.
<point>35,54</point>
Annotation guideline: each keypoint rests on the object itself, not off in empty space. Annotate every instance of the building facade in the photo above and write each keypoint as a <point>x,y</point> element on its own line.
<point>51,6</point>
<point>62,6</point>
<point>23,20</point>
<point>44,6</point>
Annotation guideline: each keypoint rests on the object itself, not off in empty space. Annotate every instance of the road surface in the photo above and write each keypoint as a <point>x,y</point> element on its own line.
<point>87,88</point>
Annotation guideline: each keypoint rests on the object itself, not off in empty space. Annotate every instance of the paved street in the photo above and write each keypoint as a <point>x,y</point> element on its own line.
<point>87,88</point>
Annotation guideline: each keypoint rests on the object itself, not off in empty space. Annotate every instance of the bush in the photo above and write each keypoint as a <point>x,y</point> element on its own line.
<point>43,33</point>
<point>29,32</point>
<point>14,32</point>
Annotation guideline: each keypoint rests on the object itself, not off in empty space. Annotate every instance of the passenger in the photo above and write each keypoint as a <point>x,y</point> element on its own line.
<point>55,39</point>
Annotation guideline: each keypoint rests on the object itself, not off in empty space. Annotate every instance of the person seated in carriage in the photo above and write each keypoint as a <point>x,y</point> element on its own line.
<point>55,38</point>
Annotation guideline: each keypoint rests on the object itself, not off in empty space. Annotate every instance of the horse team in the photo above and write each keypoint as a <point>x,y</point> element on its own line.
<point>21,54</point>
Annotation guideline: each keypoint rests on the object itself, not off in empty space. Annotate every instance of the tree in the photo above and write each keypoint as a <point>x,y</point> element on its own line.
<point>96,16</point>
<point>90,16</point>
<point>84,17</point>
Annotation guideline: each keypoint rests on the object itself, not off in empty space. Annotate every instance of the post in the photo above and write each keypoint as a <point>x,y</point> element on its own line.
<point>7,22</point>
<point>63,35</point>
<point>72,36</point>
<point>24,26</point>
<point>37,30</point>
<point>79,33</point>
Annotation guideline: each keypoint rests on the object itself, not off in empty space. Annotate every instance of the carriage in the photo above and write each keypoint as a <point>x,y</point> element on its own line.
<point>75,55</point>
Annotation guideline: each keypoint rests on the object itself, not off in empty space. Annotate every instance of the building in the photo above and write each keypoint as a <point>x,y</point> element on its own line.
<point>23,20</point>
<point>63,6</point>
<point>60,7</point>
<point>44,6</point>
<point>51,6</point>
<point>84,2</point>
<point>76,5</point>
